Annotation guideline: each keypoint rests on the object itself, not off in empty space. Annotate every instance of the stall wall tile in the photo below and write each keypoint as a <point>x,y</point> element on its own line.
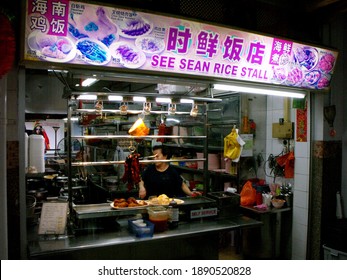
<point>301,182</point>
<point>300,199</point>
<point>301,165</point>
<point>300,217</point>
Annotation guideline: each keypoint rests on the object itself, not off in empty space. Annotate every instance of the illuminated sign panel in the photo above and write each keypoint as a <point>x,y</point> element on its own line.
<point>63,31</point>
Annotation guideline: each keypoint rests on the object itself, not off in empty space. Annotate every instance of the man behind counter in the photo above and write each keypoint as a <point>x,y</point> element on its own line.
<point>162,178</point>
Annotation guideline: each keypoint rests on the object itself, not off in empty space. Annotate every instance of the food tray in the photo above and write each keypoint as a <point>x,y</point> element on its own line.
<point>140,232</point>
<point>128,208</point>
<point>88,211</point>
<point>178,201</point>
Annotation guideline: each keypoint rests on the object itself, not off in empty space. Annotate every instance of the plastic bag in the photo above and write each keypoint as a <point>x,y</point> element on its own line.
<point>287,161</point>
<point>232,147</point>
<point>248,194</point>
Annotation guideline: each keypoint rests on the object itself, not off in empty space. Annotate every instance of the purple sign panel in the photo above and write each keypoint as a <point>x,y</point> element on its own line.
<point>49,17</point>
<point>63,31</point>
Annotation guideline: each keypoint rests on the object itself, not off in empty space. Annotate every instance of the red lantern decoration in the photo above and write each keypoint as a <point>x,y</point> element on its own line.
<point>7,45</point>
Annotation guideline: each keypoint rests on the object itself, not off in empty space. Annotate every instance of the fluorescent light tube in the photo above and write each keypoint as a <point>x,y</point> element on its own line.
<point>87,97</point>
<point>73,119</point>
<point>139,99</point>
<point>186,101</point>
<point>163,100</point>
<point>115,98</point>
<point>88,82</point>
<point>261,90</point>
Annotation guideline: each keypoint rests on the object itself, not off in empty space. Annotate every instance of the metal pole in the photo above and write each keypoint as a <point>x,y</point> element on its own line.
<point>3,172</point>
<point>55,139</point>
<point>70,104</point>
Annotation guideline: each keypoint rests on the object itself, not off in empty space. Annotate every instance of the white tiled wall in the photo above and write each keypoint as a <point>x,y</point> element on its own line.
<point>300,183</point>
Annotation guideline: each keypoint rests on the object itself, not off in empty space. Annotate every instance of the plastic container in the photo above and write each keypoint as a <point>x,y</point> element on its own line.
<point>141,229</point>
<point>159,216</point>
<point>37,152</point>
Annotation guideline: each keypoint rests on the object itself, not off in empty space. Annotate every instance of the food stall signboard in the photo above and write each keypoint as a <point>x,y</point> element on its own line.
<point>70,32</point>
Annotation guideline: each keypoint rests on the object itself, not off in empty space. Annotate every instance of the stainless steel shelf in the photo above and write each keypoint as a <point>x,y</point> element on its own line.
<point>131,112</point>
<point>144,161</point>
<point>136,137</point>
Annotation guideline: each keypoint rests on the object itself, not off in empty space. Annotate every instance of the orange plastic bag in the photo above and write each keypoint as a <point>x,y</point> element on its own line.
<point>248,194</point>
<point>287,161</point>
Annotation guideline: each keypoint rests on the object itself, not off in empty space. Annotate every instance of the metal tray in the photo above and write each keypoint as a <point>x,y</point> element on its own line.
<point>88,211</point>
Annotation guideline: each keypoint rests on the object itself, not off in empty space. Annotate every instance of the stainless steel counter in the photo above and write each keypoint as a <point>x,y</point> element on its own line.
<point>273,239</point>
<point>196,239</point>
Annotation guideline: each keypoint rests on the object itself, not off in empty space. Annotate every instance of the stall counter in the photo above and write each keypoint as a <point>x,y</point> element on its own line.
<point>198,239</point>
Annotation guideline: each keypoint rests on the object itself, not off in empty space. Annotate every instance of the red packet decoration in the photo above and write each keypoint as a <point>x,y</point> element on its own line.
<point>301,125</point>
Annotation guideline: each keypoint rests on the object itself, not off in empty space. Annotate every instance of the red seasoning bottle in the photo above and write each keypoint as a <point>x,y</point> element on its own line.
<point>259,196</point>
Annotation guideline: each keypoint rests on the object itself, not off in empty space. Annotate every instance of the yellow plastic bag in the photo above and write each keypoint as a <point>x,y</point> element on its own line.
<point>232,148</point>
<point>248,194</point>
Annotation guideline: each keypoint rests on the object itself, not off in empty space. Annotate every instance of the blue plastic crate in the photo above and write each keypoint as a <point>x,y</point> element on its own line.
<point>146,231</point>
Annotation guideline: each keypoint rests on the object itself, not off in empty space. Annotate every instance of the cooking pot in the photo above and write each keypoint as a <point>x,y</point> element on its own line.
<point>30,206</point>
<point>34,183</point>
<point>39,194</point>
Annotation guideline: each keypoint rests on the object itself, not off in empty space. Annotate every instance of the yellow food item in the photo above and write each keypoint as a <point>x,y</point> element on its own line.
<point>163,199</point>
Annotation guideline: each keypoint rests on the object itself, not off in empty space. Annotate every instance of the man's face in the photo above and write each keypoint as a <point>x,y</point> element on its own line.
<point>158,155</point>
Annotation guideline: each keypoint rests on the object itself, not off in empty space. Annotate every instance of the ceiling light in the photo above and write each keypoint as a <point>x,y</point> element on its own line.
<point>73,119</point>
<point>87,97</point>
<point>139,99</point>
<point>88,82</point>
<point>262,90</point>
<point>163,100</point>
<point>115,98</point>
<point>186,101</point>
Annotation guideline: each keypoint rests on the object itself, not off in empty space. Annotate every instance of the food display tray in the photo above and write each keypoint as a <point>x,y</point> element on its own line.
<point>89,211</point>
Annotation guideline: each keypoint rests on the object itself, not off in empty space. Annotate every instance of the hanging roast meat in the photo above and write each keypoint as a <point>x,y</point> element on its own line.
<point>161,131</point>
<point>132,170</point>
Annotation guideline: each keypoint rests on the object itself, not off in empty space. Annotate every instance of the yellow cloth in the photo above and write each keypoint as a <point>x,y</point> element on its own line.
<point>232,148</point>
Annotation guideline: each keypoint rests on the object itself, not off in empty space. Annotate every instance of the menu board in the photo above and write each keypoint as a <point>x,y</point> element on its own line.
<point>87,34</point>
<point>53,218</point>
